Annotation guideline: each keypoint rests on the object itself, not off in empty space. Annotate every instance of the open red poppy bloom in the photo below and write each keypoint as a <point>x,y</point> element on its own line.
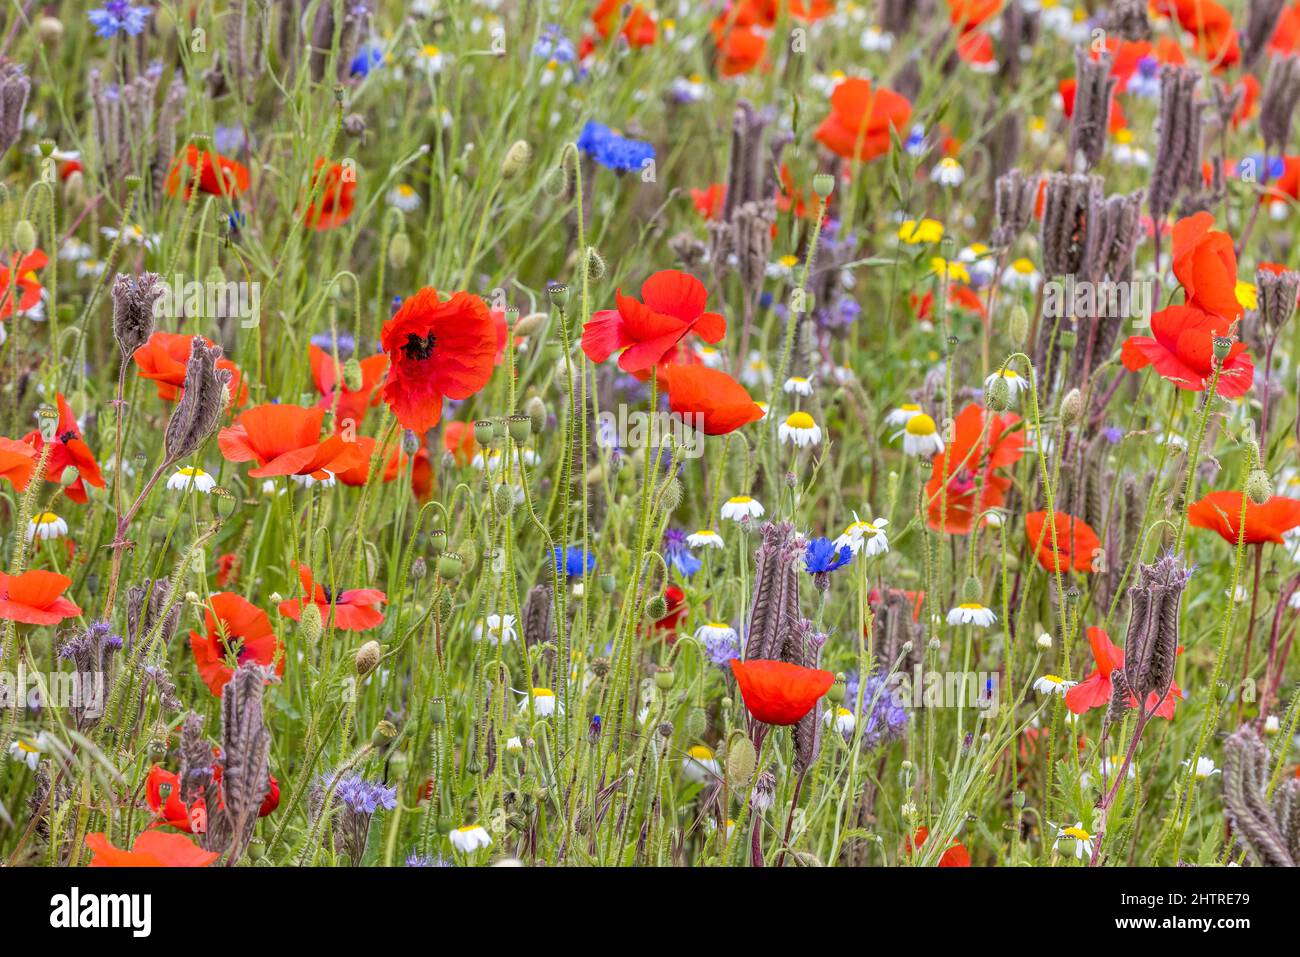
<point>235,627</point>
<point>740,48</point>
<point>334,197</point>
<point>458,439</point>
<point>1076,542</point>
<point>1117,120</point>
<point>227,569</point>
<point>708,398</point>
<point>437,350</point>
<point>1286,186</point>
<point>708,202</point>
<point>422,476</point>
<point>35,598</point>
<point>162,360</point>
<point>359,474</point>
<point>861,119</point>
<point>638,28</point>
<point>1286,35</point>
<point>151,849</point>
<point>192,818</point>
<point>777,692</point>
<point>968,463</point>
<point>968,14</point>
<point>1206,265</point>
<point>285,440</point>
<point>69,451</point>
<point>327,376</point>
<point>218,175</point>
<point>28,286</point>
<point>1221,511</point>
<point>675,599</point>
<point>1182,352</point>
<point>354,608</point>
<point>955,856</point>
<point>1210,25</point>
<point>649,333</point>
<point>1095,690</point>
<point>17,462</point>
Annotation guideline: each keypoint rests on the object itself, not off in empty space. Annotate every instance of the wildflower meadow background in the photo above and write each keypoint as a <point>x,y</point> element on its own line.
<point>745,433</point>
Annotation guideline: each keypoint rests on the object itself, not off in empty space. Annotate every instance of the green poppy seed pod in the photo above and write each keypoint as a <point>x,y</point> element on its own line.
<point>527,325</point>
<point>450,565</point>
<point>1259,486</point>
<point>600,666</point>
<point>134,182</point>
<point>823,184</point>
<point>48,423</point>
<point>352,374</point>
<point>310,625</point>
<point>1018,326</point>
<point>558,293</point>
<point>1072,408</point>
<point>503,499</point>
<point>519,427</point>
<point>517,159</point>
<point>384,734</point>
<point>50,30</point>
<point>607,584</point>
<point>399,765</point>
<point>399,250</point>
<point>483,431</point>
<point>24,236</point>
<point>367,658</point>
<point>836,694</point>
<point>741,759</point>
<point>656,607</point>
<point>437,541</point>
<point>46,148</point>
<point>535,409</point>
<point>419,568</point>
<point>1018,799</point>
<point>595,264</point>
<point>972,591</point>
<point>664,677</point>
<point>998,395</point>
<point>1069,339</point>
<point>1222,346</point>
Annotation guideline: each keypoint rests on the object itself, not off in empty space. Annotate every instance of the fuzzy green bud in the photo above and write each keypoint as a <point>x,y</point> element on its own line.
<point>367,658</point>
<point>527,325</point>
<point>607,584</point>
<point>503,499</point>
<point>310,625</point>
<point>352,379</point>
<point>1259,486</point>
<point>24,236</point>
<point>1018,326</point>
<point>535,409</point>
<point>1072,408</point>
<point>972,591</point>
<point>595,264</point>
<point>742,759</point>
<point>517,158</point>
<point>998,394</point>
<point>399,250</point>
<point>656,608</point>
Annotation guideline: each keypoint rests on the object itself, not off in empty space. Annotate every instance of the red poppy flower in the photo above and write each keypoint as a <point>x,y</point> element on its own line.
<point>354,608</point>
<point>162,359</point>
<point>192,818</point>
<point>35,598</point>
<point>955,856</point>
<point>638,27</point>
<point>675,599</point>
<point>861,119</point>
<point>1095,690</point>
<point>285,440</point>
<point>968,14</point>
<point>740,49</point>
<point>1206,265</point>
<point>458,439</point>
<point>437,349</point>
<point>218,175</point>
<point>227,569</point>
<point>17,462</point>
<point>1076,542</point>
<point>236,627</point>
<point>721,403</point>
<point>1286,35</point>
<point>975,47</point>
<point>69,451</point>
<point>969,461</point>
<point>708,202</point>
<point>1117,120</point>
<point>1221,511</point>
<point>422,476</point>
<point>334,199</point>
<point>325,373</point>
<point>965,297</point>
<point>359,474</point>
<point>151,849</point>
<point>777,692</point>
<point>1182,352</point>
<point>28,286</point>
<point>650,333</point>
<point>1286,186</point>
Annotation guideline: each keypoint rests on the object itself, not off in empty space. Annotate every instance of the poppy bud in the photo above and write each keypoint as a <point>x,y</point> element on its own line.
<point>483,431</point>
<point>656,608</point>
<point>998,395</point>
<point>1072,408</point>
<point>309,624</point>
<point>836,694</point>
<point>74,186</point>
<point>664,677</point>
<point>697,721</point>
<point>527,325</point>
<point>438,541</point>
<point>519,427</point>
<point>450,565</point>
<point>69,477</point>
<point>1259,486</point>
<point>419,568</point>
<point>367,658</point>
<point>741,759</point>
<point>823,184</point>
<point>595,264</point>
<point>399,250</point>
<point>410,442</point>
<point>607,584</point>
<point>535,409</point>
<point>517,157</point>
<point>972,591</point>
<point>354,124</point>
<point>50,30</point>
<point>1018,326</point>
<point>1222,346</point>
<point>352,374</point>
<point>24,236</point>
<point>503,499</point>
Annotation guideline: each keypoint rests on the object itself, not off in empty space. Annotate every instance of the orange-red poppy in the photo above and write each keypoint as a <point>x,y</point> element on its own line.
<point>359,474</point>
<point>69,451</point>
<point>1117,120</point>
<point>285,440</point>
<point>151,849</point>
<point>1206,265</point>
<point>458,439</point>
<point>955,856</point>
<point>218,175</point>
<point>352,405</point>
<point>1286,35</point>
<point>1210,25</point>
<point>1286,186</point>
<point>334,198</point>
<point>162,360</point>
<point>721,403</point>
<point>1095,691</point>
<point>861,118</point>
<point>354,608</point>
<point>235,628</point>
<point>777,692</point>
<point>1076,542</point>
<point>191,818</point>
<point>227,569</point>
<point>17,462</point>
<point>26,286</point>
<point>638,28</point>
<point>1221,512</point>
<point>649,333</point>
<point>740,48</point>
<point>969,462</point>
<point>35,598</point>
<point>1182,352</point>
<point>969,14</point>
<point>436,350</point>
<point>708,202</point>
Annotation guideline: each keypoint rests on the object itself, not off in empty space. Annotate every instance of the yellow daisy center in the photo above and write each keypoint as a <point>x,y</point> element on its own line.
<point>45,518</point>
<point>700,753</point>
<point>800,420</point>
<point>920,424</point>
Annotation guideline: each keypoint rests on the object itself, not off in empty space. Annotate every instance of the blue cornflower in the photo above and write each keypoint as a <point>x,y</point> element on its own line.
<point>554,45</point>
<point>119,16</point>
<point>573,561</point>
<point>367,58</point>
<point>821,556</point>
<point>613,150</point>
<point>677,554</point>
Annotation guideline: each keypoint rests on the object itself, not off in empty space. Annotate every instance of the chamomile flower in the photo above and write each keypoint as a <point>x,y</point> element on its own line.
<point>700,765</point>
<point>865,536</point>
<point>429,59</point>
<point>404,197</point>
<point>468,838</point>
<point>971,613</point>
<point>544,702</point>
<point>800,430</point>
<point>876,40</point>
<point>690,89</point>
<point>921,437</point>
<point>1127,153</point>
<point>841,719</point>
<point>1053,684</point>
<point>740,507</point>
<point>499,628</point>
<point>798,385</point>
<point>710,357</point>
<point>979,259</point>
<point>704,538</point>
<point>46,525</point>
<point>90,267</point>
<point>132,235</point>
<point>916,232</point>
<point>1204,767</point>
<point>899,417</point>
<point>191,476</point>
<point>1081,838</point>
<point>26,752</point>
<point>1014,380</point>
<point>1022,276</point>
<point>783,268</point>
<point>948,172</point>
<point>756,371</point>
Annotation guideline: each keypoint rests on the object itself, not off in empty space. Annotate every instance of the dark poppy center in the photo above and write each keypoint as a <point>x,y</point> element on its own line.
<point>67,436</point>
<point>418,348</point>
<point>329,595</point>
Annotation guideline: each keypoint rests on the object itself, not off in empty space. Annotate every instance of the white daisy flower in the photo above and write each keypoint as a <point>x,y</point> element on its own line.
<point>429,59</point>
<point>921,437</point>
<point>89,267</point>
<point>544,701</point>
<point>133,235</point>
<point>1272,725</point>
<point>899,417</point>
<point>700,766</point>
<point>868,536</point>
<point>756,371</point>
<point>1204,767</point>
<point>800,430</point>
<point>690,89</point>
<point>783,268</point>
<point>500,628</point>
<point>715,631</point>
<point>798,385</point>
<point>26,752</point>
<point>710,357</point>
<point>404,197</point>
<point>1021,276</point>
<point>183,478</point>
<point>1081,838</point>
<point>971,613</point>
<point>1053,684</point>
<point>704,538</point>
<point>46,525</point>
<point>876,40</point>
<point>948,172</point>
<point>74,250</point>
<point>740,507</point>
<point>841,719</point>
<point>468,838</point>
